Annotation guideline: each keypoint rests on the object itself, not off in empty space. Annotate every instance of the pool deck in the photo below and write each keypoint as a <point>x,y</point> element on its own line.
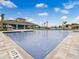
<point>25,30</point>
<point>67,49</point>
<point>10,50</point>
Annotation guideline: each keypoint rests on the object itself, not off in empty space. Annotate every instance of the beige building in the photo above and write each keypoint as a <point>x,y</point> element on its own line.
<point>73,26</point>
<point>19,23</point>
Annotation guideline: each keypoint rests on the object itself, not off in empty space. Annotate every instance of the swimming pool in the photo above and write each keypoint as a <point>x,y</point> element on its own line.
<point>40,42</point>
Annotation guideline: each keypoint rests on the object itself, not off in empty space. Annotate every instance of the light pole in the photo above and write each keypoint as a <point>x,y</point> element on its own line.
<point>1,21</point>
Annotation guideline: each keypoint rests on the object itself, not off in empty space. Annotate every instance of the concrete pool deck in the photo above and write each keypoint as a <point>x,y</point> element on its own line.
<point>67,49</point>
<point>10,50</point>
<point>25,30</point>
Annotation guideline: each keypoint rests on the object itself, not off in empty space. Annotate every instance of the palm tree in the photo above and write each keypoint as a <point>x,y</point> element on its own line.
<point>46,23</point>
<point>64,24</point>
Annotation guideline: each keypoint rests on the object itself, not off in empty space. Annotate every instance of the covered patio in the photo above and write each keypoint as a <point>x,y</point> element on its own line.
<point>12,24</point>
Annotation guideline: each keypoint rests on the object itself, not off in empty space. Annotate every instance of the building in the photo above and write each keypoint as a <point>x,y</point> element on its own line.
<point>19,23</point>
<point>72,26</point>
<point>75,26</point>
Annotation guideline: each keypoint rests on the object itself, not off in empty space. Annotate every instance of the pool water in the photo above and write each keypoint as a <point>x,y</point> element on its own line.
<point>40,42</point>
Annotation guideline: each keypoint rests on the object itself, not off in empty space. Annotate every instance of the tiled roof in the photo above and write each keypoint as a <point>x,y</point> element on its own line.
<point>19,23</point>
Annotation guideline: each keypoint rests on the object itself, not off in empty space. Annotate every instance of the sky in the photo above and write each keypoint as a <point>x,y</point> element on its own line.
<point>40,11</point>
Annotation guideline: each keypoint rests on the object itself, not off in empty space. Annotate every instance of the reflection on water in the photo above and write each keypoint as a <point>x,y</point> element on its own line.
<point>40,42</point>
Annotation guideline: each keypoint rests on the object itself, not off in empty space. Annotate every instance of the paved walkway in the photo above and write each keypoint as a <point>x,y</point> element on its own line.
<point>10,50</point>
<point>68,49</point>
<point>25,30</point>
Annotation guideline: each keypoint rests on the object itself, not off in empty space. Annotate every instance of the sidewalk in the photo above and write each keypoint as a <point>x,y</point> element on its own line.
<point>10,50</point>
<point>68,49</point>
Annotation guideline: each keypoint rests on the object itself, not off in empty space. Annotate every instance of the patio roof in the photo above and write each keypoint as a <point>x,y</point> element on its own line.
<point>18,23</point>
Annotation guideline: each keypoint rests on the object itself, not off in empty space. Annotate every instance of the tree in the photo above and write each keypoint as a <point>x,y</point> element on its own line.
<point>64,24</point>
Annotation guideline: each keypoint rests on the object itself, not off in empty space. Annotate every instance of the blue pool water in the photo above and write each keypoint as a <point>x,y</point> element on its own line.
<point>40,42</point>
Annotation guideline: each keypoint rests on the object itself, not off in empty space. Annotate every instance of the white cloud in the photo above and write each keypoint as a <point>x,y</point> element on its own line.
<point>19,13</point>
<point>69,6</point>
<point>0,18</point>
<point>8,3</point>
<point>11,18</point>
<point>64,18</point>
<point>43,14</point>
<point>57,9</point>
<point>76,3</point>
<point>26,18</point>
<point>64,11</point>
<point>77,18</point>
<point>29,19</point>
<point>41,5</point>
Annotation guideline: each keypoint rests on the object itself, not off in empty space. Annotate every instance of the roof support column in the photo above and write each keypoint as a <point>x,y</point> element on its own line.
<point>16,26</point>
<point>24,26</point>
<point>7,26</point>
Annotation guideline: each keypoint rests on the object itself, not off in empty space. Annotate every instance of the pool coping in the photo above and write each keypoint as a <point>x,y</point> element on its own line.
<point>14,46</point>
<point>56,48</point>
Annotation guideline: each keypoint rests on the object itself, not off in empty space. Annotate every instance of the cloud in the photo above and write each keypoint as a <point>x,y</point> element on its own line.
<point>77,18</point>
<point>71,4</point>
<point>7,3</point>
<point>43,14</point>
<point>19,13</point>
<point>67,6</point>
<point>41,5</point>
<point>0,18</point>
<point>64,18</point>
<point>57,9</point>
<point>76,3</point>
<point>29,19</point>
<point>64,11</point>
<point>11,18</point>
